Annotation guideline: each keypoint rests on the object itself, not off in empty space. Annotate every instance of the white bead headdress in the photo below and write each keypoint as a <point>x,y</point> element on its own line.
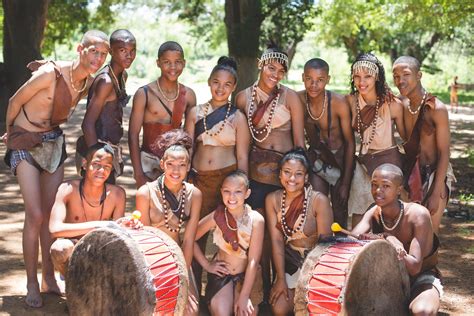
<point>369,66</point>
<point>270,57</point>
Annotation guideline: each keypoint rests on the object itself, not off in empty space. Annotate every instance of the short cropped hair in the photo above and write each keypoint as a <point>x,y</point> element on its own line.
<point>316,63</point>
<point>88,37</point>
<point>170,46</point>
<point>122,35</point>
<point>393,169</point>
<point>410,60</point>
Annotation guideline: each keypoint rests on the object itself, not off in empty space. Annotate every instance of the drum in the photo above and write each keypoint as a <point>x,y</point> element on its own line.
<point>353,278</point>
<point>114,271</point>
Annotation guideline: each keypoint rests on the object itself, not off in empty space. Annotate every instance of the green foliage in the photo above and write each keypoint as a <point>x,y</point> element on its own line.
<point>470,160</point>
<point>394,27</point>
<point>286,22</point>
<point>71,18</point>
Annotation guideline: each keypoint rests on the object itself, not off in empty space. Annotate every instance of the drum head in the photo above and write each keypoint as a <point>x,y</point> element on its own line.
<point>378,282</point>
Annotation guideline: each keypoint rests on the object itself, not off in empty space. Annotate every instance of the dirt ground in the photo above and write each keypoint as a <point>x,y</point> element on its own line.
<point>456,258</point>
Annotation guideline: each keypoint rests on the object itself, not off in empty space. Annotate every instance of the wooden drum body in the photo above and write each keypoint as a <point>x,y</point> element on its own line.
<point>115,271</point>
<point>353,278</point>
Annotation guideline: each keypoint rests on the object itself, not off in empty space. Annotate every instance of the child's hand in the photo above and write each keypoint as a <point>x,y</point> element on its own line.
<point>279,288</point>
<point>243,306</point>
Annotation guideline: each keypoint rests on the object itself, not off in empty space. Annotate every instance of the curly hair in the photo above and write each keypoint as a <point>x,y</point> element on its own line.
<point>381,88</point>
<point>173,138</point>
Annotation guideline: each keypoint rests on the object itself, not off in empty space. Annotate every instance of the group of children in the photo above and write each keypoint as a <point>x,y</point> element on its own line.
<point>244,171</point>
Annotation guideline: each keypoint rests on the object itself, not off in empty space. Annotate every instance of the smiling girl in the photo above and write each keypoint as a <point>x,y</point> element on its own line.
<point>297,217</point>
<point>170,203</point>
<point>375,113</point>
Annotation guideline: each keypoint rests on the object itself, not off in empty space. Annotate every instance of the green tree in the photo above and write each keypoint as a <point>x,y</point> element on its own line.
<point>410,27</point>
<point>25,24</point>
<point>249,25</point>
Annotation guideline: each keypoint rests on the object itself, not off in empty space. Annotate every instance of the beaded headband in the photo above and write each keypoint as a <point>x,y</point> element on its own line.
<point>369,66</point>
<point>270,57</point>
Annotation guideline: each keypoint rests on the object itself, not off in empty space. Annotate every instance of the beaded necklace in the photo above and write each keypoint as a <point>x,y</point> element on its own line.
<point>287,231</point>
<point>268,126</point>
<point>308,107</point>
<point>396,222</point>
<point>227,221</point>
<point>101,201</point>
<point>179,209</point>
<point>223,123</point>
<point>120,84</point>
<point>373,123</point>
<point>423,100</point>
<point>72,82</point>
<point>164,95</point>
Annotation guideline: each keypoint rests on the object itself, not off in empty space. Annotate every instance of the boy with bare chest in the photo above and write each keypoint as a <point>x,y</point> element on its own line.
<point>158,107</point>
<point>36,146</point>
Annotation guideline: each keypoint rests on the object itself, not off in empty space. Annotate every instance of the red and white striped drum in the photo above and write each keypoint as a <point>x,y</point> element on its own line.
<point>127,272</point>
<point>353,278</point>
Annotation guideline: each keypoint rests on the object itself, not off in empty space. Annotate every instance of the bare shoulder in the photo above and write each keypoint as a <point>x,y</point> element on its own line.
<point>240,101</point>
<point>143,191</point>
<point>417,213</point>
<point>190,97</point>
<point>301,95</point>
<point>68,187</point>
<point>339,102</point>
<point>271,198</point>
<point>116,191</point>
<point>440,106</point>
<point>320,201</point>
<point>350,99</point>
<point>240,117</point>
<point>102,85</point>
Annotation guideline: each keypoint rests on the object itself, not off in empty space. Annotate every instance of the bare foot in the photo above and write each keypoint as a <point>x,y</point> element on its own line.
<point>51,286</point>
<point>33,297</point>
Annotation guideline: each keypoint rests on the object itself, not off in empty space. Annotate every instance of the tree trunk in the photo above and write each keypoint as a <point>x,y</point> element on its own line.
<point>243,20</point>
<point>23,28</point>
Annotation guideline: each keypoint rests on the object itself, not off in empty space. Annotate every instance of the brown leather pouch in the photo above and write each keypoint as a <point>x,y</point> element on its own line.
<point>20,138</point>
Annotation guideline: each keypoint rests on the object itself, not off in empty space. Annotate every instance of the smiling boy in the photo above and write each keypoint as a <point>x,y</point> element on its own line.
<point>37,149</point>
<point>158,107</point>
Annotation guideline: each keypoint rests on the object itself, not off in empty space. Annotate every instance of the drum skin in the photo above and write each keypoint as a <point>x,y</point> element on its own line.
<point>353,279</point>
<point>115,271</point>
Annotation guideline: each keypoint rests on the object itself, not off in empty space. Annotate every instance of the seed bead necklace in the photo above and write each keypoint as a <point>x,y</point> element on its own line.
<point>164,95</point>
<point>268,126</point>
<point>223,123</point>
<point>308,107</point>
<point>101,201</point>
<point>396,222</point>
<point>415,112</point>
<point>373,123</point>
<point>287,231</point>
<point>72,81</point>
<point>227,221</point>
<point>161,187</point>
<point>121,84</point>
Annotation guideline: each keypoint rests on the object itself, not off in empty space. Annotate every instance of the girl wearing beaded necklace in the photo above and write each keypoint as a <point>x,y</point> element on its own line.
<point>375,112</point>
<point>238,234</point>
<point>170,203</point>
<point>221,136</point>
<point>275,118</point>
<point>296,216</point>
